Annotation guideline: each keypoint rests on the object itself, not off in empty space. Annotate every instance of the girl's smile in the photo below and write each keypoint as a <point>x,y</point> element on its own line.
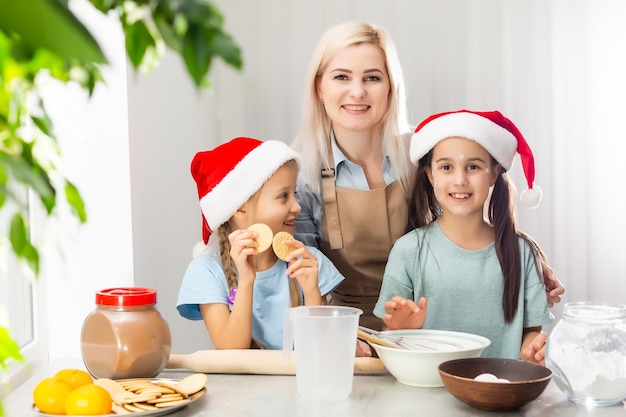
<point>275,204</point>
<point>461,174</point>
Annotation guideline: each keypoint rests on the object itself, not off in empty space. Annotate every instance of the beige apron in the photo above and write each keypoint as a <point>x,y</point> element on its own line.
<point>359,228</point>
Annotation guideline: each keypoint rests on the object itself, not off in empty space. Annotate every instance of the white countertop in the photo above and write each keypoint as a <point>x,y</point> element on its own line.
<point>376,395</point>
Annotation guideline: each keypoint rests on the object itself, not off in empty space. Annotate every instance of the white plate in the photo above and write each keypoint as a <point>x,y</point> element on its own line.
<point>160,412</point>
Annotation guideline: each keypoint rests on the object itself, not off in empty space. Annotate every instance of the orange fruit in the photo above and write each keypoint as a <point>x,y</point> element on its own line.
<point>50,395</point>
<point>75,377</point>
<point>88,400</point>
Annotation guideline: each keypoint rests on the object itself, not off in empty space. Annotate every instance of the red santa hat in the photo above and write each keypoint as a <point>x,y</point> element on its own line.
<point>497,134</point>
<point>230,174</point>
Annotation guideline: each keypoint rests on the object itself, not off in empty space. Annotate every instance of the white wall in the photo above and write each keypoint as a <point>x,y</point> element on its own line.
<point>169,121</point>
<point>80,259</point>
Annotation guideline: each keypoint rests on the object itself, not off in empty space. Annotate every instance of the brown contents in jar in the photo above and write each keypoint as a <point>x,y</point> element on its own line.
<point>125,337</point>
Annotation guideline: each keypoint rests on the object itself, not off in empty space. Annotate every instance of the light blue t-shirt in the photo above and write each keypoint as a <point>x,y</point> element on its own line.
<point>205,283</point>
<point>463,288</point>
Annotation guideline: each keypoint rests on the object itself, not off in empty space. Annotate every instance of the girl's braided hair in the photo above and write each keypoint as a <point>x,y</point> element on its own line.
<point>230,271</point>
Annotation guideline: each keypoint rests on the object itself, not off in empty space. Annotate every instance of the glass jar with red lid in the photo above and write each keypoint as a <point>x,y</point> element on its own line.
<point>125,336</point>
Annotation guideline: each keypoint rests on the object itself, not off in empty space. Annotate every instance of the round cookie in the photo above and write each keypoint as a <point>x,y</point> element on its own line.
<point>282,249</point>
<point>264,238</point>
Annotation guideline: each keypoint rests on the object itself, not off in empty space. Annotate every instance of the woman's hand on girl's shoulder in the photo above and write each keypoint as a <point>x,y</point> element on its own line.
<point>554,287</point>
<point>404,314</point>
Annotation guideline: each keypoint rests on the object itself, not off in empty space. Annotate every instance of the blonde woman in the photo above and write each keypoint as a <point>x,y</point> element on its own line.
<point>356,174</point>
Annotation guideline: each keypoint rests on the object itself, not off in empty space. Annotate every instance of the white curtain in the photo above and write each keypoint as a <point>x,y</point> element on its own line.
<point>557,69</point>
<point>587,146</point>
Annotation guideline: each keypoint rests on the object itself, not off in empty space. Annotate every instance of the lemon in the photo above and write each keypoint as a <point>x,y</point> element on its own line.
<point>50,395</point>
<point>75,377</point>
<point>88,400</point>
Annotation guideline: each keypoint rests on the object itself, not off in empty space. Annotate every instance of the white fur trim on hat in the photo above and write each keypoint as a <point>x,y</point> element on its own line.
<point>531,198</point>
<point>498,141</point>
<point>244,180</point>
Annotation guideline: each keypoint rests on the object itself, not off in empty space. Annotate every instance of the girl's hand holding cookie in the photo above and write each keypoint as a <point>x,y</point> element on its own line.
<point>243,248</point>
<point>302,264</point>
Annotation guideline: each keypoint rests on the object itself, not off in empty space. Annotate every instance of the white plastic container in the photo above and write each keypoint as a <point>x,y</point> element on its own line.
<point>324,338</point>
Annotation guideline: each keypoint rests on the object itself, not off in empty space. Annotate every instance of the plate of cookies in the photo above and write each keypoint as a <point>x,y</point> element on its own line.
<point>151,397</point>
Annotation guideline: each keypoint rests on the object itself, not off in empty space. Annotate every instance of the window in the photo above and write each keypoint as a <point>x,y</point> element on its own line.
<point>19,306</point>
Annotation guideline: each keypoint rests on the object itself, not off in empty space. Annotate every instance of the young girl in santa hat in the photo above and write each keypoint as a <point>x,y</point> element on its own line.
<point>460,268</point>
<point>242,294</point>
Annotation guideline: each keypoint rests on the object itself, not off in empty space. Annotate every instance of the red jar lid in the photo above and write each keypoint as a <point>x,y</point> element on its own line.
<point>126,296</point>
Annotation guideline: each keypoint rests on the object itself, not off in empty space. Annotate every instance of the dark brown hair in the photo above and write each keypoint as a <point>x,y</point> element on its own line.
<point>424,209</point>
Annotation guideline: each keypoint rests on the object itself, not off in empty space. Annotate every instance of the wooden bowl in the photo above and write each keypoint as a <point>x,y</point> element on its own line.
<point>527,382</point>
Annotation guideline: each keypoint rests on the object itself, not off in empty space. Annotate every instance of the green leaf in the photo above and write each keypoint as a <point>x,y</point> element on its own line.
<point>227,49</point>
<point>25,170</point>
<point>76,201</point>
<point>22,247</point>
<point>56,66</point>
<point>8,348</point>
<point>197,53</point>
<point>17,234</point>
<point>138,40</point>
<point>3,175</point>
<point>50,24</point>
<point>169,33</point>
<point>44,124</point>
<point>32,257</point>
<point>105,5</point>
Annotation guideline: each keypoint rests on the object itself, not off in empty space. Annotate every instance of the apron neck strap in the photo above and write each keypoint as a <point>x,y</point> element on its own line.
<point>331,212</point>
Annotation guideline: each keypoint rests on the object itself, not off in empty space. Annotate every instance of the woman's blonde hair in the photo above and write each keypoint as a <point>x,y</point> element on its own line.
<point>312,139</point>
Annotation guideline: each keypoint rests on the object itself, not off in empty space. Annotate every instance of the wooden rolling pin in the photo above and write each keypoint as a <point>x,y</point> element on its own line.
<point>251,361</point>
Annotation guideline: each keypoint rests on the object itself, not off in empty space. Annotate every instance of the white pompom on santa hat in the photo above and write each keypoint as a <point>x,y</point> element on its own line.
<point>230,174</point>
<point>497,134</point>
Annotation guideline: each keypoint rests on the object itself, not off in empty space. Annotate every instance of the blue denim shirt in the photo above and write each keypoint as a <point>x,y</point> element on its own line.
<point>347,175</point>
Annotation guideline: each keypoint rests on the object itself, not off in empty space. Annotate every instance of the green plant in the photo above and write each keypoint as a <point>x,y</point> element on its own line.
<point>44,38</point>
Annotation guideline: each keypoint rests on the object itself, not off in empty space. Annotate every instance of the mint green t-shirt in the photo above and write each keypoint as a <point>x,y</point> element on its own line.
<point>463,288</point>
